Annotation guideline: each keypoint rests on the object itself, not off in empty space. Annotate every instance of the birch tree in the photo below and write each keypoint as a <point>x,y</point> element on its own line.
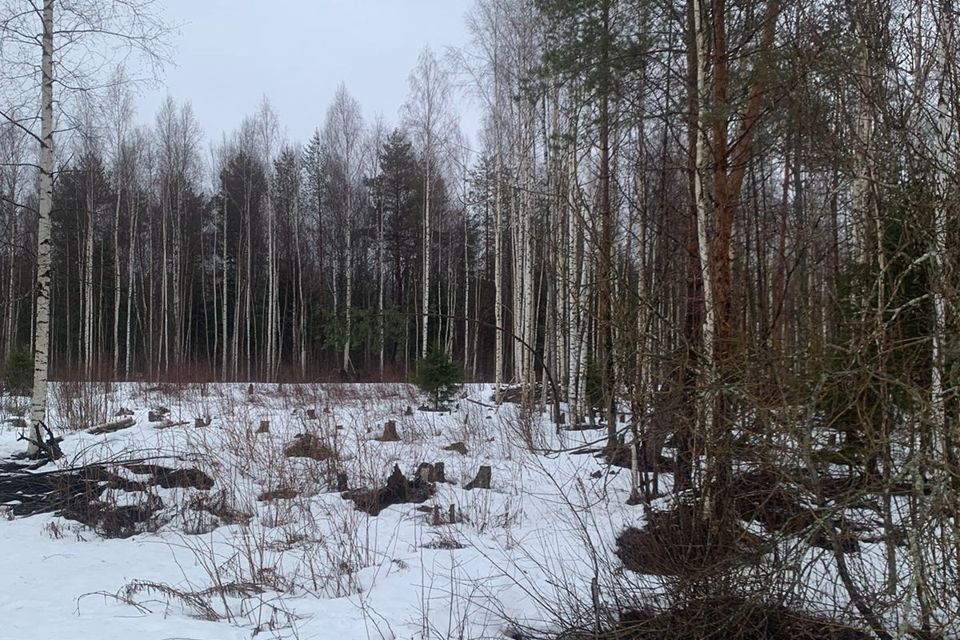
<point>124,27</point>
<point>428,116</point>
<point>343,138</point>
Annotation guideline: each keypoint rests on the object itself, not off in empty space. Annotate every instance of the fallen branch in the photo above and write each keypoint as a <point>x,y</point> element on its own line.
<point>110,427</point>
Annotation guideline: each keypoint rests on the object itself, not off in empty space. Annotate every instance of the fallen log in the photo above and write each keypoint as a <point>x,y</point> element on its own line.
<point>114,425</point>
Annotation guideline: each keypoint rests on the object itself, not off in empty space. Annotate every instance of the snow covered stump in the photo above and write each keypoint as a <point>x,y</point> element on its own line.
<point>482,481</point>
<point>390,432</point>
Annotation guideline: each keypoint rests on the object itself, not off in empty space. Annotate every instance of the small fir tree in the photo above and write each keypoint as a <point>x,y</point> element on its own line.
<point>438,376</point>
<point>18,372</point>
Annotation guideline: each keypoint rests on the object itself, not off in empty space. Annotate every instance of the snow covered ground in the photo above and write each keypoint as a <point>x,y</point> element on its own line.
<point>230,562</point>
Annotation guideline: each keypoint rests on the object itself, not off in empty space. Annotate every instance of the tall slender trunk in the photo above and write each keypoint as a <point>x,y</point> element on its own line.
<point>381,266</point>
<point>498,278</point>
<point>116,281</point>
<point>41,340</point>
<point>269,363</point>
<point>605,262</point>
<point>706,399</point>
<point>223,293</point>
<point>348,294</point>
<point>128,346</point>
<point>427,242</point>
<point>88,306</point>
<point>301,318</point>
<point>939,249</point>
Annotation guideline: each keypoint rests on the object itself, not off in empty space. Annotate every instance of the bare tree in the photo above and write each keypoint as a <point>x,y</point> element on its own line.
<point>427,114</point>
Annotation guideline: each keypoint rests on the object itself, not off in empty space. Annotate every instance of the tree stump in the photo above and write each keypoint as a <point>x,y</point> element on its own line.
<point>409,411</point>
<point>425,473</point>
<point>397,488</point>
<point>482,481</point>
<point>453,514</point>
<point>341,481</point>
<point>250,390</point>
<point>439,473</point>
<point>390,432</point>
<point>311,414</point>
<point>264,426</point>
<point>459,447</point>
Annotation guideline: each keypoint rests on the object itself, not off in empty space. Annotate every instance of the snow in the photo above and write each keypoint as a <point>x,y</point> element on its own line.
<point>313,566</point>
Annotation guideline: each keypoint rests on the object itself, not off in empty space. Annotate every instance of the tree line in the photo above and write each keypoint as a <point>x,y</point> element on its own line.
<point>666,201</point>
<point>734,218</point>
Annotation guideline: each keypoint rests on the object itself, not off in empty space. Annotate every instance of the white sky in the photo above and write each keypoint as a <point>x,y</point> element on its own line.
<point>229,53</point>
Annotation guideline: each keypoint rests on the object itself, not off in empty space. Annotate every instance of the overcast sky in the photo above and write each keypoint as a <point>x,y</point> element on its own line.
<point>229,53</point>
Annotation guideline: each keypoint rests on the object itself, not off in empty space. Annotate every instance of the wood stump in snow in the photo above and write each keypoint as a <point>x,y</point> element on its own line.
<point>459,447</point>
<point>158,414</point>
<point>482,481</point>
<point>390,432</point>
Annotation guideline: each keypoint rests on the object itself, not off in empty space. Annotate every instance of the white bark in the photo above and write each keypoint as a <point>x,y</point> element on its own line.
<point>348,301</point>
<point>939,249</point>
<point>88,280</point>
<point>41,345</point>
<point>381,268</point>
<point>498,276</point>
<point>131,251</point>
<point>427,234</point>
<point>706,400</point>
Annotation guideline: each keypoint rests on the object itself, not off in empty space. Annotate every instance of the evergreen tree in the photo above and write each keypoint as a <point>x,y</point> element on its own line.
<point>18,372</point>
<point>438,376</point>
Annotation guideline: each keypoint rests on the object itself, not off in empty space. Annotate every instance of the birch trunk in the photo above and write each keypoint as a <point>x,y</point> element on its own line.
<point>706,399</point>
<point>427,236</point>
<point>498,281</point>
<point>116,281</point>
<point>41,345</point>
<point>381,266</point>
<point>128,348</point>
<point>88,281</point>
<point>939,249</point>
<point>348,294</point>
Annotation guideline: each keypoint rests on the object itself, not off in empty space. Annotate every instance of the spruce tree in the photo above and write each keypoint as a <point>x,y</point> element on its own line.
<point>438,376</point>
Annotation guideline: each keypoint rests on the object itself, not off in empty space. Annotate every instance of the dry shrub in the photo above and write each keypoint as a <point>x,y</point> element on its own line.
<point>729,618</point>
<point>81,405</point>
<point>767,497</point>
<point>680,542</point>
